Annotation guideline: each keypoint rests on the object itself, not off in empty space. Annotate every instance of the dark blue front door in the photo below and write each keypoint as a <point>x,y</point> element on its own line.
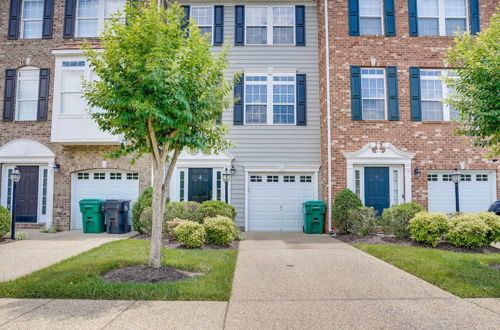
<point>377,188</point>
<point>200,184</point>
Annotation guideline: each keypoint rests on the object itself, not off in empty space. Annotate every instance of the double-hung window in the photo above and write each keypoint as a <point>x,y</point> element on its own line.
<point>270,25</point>
<point>433,91</point>
<point>370,17</point>
<point>32,19</point>
<point>441,17</point>
<point>204,18</point>
<point>91,15</point>
<point>28,80</point>
<point>71,99</point>
<point>270,99</point>
<point>373,93</point>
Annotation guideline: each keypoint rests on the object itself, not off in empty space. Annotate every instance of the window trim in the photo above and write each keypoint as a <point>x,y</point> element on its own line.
<point>270,95</point>
<point>212,25</point>
<point>18,80</point>
<point>60,69</point>
<point>382,19</point>
<point>21,28</point>
<point>269,26</point>
<point>101,18</point>
<point>446,92</point>
<point>441,16</point>
<point>383,76</point>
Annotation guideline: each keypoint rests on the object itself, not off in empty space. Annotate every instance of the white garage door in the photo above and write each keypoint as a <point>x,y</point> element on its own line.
<point>275,201</point>
<point>101,184</point>
<point>476,191</point>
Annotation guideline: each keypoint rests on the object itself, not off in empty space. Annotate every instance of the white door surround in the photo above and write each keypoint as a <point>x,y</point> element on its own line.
<point>30,153</point>
<point>385,154</point>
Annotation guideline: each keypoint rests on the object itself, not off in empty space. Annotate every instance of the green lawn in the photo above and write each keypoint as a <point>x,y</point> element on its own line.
<point>79,276</point>
<point>463,274</point>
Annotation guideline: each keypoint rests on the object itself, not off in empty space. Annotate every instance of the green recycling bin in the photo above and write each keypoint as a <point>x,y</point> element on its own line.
<point>92,215</point>
<point>314,215</point>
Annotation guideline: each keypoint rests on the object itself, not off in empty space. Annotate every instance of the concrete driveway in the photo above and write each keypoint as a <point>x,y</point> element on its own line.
<point>41,250</point>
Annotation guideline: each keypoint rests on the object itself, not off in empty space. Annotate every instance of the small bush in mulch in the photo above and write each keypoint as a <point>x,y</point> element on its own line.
<point>144,274</point>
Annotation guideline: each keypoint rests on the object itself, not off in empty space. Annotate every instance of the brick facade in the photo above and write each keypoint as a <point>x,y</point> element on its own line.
<point>15,54</point>
<point>435,144</point>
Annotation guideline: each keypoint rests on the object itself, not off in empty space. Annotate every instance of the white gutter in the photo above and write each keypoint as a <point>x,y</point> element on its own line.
<point>328,114</point>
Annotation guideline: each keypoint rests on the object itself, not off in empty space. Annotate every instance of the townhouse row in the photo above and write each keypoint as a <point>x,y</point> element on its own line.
<point>334,95</point>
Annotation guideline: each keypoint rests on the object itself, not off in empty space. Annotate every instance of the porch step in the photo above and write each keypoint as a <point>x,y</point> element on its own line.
<point>26,225</point>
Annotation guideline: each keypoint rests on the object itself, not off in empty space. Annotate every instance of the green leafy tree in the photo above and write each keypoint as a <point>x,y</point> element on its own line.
<point>162,89</point>
<point>477,88</point>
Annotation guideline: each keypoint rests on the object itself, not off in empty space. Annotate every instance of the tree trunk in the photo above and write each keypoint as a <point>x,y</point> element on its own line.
<point>158,210</point>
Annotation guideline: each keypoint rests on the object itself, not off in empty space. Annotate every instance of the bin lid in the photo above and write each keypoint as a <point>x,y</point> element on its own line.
<point>314,203</point>
<point>90,201</point>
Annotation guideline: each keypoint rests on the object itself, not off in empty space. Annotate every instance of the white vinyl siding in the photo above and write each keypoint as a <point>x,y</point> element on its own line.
<point>434,91</point>
<point>32,19</point>
<point>370,17</point>
<point>270,25</point>
<point>28,81</point>
<point>91,15</point>
<point>441,17</point>
<point>373,93</point>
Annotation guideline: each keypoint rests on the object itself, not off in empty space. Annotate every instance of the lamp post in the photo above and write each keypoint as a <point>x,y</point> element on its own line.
<point>226,176</point>
<point>15,176</point>
<point>455,178</point>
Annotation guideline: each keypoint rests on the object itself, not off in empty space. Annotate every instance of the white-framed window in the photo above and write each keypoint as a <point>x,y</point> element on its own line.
<point>32,19</point>
<point>433,92</point>
<point>272,178</point>
<point>270,99</point>
<point>182,185</point>
<point>91,15</point>
<point>357,182</point>
<point>289,178</point>
<point>373,93</point>
<point>255,178</point>
<point>218,185</point>
<point>370,17</point>
<point>441,17</point>
<point>28,81</point>
<point>83,176</point>
<point>204,18</point>
<point>115,176</point>
<point>99,176</point>
<point>395,187</point>
<point>132,176</point>
<point>270,25</point>
<point>432,177</point>
<point>305,178</point>
<point>72,72</point>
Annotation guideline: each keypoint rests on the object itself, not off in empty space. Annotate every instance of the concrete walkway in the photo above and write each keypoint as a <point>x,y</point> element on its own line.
<point>282,281</point>
<point>41,250</point>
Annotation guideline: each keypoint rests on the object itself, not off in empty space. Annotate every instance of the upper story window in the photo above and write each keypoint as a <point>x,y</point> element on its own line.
<point>270,99</point>
<point>32,19</point>
<point>270,25</point>
<point>370,17</point>
<point>441,17</point>
<point>433,91</point>
<point>72,72</point>
<point>204,18</point>
<point>373,93</point>
<point>91,15</point>
<point>28,80</point>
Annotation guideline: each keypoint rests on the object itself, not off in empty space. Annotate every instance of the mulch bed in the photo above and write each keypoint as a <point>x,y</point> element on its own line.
<point>143,274</point>
<point>173,244</point>
<point>390,240</point>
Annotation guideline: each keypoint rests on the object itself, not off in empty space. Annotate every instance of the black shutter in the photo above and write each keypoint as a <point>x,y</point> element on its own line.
<point>239,26</point>
<point>185,19</point>
<point>301,100</point>
<point>353,17</point>
<point>356,111</point>
<point>389,18</point>
<point>9,96</point>
<point>43,95</point>
<point>48,13</point>
<point>392,92</point>
<point>474,16</point>
<point>415,99</point>
<point>14,19</point>
<point>238,101</point>
<point>300,25</point>
<point>413,18</point>
<point>218,25</point>
<point>69,19</point>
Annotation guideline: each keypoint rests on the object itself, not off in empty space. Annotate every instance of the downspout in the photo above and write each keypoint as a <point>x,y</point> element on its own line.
<point>328,114</point>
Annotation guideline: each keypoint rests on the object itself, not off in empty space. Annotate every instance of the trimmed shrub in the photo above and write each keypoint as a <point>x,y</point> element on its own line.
<point>426,227</point>
<point>493,222</point>
<point>395,219</point>
<point>190,234</point>
<point>5,221</point>
<point>144,201</point>
<point>169,227</point>
<point>180,210</point>
<point>145,221</point>
<point>20,236</point>
<point>219,230</point>
<point>51,230</point>
<point>211,209</point>
<point>346,200</point>
<point>468,231</point>
<point>362,221</point>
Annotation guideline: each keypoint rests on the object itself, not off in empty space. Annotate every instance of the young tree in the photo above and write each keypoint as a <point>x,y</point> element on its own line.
<point>477,88</point>
<point>162,89</point>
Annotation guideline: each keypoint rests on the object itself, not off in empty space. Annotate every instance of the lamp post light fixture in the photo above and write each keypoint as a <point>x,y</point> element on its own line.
<point>417,172</point>
<point>455,178</point>
<point>14,177</point>
<point>226,176</point>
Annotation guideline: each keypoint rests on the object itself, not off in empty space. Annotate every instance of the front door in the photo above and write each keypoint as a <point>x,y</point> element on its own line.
<point>377,188</point>
<point>200,184</point>
<point>27,194</point>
